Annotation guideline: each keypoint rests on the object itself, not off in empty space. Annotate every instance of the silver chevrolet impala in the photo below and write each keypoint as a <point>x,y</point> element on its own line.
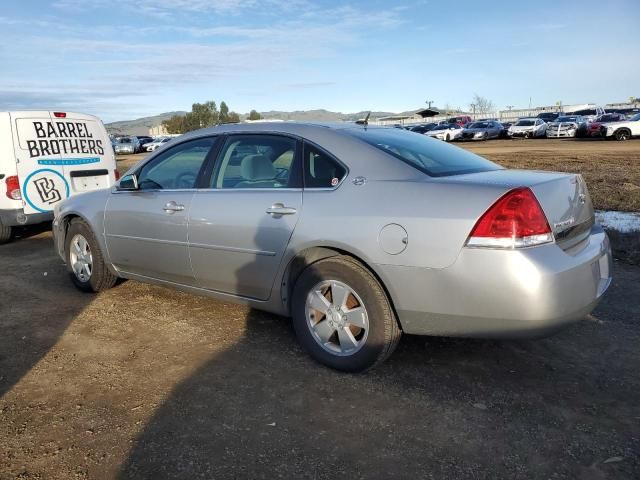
<point>358,233</point>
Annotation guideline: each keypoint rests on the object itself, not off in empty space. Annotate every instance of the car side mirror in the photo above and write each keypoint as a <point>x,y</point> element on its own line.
<point>128,182</point>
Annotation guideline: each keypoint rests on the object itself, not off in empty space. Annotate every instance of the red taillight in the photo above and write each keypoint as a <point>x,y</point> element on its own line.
<point>514,220</point>
<point>117,174</point>
<point>13,188</point>
<point>60,114</point>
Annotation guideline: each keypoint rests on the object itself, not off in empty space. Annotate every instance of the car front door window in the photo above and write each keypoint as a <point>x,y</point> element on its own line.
<point>176,169</point>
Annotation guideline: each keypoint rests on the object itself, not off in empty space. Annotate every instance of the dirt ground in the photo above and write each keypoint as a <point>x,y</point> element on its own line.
<point>146,382</point>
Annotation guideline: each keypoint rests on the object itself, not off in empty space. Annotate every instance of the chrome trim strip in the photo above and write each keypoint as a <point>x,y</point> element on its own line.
<point>266,253</point>
<point>233,249</point>
<point>145,239</point>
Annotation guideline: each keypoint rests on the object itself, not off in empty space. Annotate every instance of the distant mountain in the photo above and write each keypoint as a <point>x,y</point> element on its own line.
<point>140,126</point>
<point>319,115</point>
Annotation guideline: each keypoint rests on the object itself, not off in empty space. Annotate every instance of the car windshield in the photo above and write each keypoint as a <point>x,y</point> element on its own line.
<point>525,123</point>
<point>124,140</point>
<point>610,117</point>
<point>478,125</point>
<point>442,127</point>
<point>635,118</point>
<point>567,119</point>
<point>427,155</point>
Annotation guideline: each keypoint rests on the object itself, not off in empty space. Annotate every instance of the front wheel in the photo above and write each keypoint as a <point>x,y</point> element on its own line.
<point>6,233</point>
<point>342,316</point>
<point>85,262</point>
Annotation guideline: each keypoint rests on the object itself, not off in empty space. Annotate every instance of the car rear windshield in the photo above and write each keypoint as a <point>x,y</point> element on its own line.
<point>567,119</point>
<point>478,125</point>
<point>430,156</point>
<point>525,123</point>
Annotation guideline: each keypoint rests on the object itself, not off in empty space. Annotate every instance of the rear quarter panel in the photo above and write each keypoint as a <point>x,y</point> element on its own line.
<point>436,215</point>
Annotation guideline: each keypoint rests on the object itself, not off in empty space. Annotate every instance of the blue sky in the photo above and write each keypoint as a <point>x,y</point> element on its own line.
<point>124,59</point>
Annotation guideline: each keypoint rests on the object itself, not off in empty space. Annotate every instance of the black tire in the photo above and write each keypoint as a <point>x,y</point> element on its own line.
<point>100,278</point>
<point>448,138</point>
<point>384,332</point>
<point>6,233</point>
<point>622,135</point>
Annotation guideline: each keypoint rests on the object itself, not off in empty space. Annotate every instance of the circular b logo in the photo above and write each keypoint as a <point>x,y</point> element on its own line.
<point>44,188</point>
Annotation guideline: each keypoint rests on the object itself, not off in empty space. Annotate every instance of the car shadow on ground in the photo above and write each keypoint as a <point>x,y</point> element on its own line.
<point>37,302</point>
<point>438,408</point>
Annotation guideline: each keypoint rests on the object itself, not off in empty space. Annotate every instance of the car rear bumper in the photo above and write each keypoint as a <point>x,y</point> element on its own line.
<point>490,293</point>
<point>17,217</point>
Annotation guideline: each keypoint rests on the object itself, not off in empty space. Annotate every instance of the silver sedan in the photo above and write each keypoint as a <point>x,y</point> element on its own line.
<point>358,233</point>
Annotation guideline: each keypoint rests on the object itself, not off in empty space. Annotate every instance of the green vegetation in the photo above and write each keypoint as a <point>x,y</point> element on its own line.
<point>202,115</point>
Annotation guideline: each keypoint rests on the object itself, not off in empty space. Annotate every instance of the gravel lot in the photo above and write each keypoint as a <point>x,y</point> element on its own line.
<point>146,382</point>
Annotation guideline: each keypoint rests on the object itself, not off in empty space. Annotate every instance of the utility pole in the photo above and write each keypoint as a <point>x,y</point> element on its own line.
<point>473,108</point>
<point>429,102</point>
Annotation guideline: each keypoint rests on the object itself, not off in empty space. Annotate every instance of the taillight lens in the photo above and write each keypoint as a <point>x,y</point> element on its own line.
<point>60,114</point>
<point>13,188</point>
<point>515,220</point>
<point>117,174</point>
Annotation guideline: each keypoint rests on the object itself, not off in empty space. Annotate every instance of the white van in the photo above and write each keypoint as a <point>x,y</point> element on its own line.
<point>46,157</point>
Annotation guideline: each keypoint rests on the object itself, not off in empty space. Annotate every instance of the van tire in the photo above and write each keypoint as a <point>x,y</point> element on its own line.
<point>100,277</point>
<point>6,233</point>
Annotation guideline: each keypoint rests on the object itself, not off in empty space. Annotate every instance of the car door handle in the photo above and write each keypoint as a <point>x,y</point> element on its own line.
<point>278,209</point>
<point>173,207</point>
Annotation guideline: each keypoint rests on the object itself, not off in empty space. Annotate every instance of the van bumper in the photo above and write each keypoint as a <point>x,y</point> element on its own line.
<point>17,217</point>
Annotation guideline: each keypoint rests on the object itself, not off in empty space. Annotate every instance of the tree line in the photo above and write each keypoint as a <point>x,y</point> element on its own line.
<point>204,115</point>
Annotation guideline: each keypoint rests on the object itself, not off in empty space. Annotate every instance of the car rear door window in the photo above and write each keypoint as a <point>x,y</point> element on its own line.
<point>257,161</point>
<point>321,170</point>
<point>177,168</point>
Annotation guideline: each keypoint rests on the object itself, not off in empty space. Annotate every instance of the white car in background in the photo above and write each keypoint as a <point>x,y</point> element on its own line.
<point>528,128</point>
<point>157,143</point>
<point>447,132</point>
<point>567,126</point>
<point>622,130</point>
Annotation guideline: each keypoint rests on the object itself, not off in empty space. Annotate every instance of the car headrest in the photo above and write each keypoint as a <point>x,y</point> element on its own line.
<point>257,167</point>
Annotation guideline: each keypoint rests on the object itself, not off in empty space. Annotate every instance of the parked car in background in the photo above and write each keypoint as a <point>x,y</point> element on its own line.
<point>482,130</point>
<point>143,140</point>
<point>622,130</point>
<point>549,116</point>
<point>486,251</point>
<point>447,132</point>
<point>593,129</point>
<point>461,120</point>
<point>589,114</point>
<point>46,157</point>
<point>422,128</point>
<point>505,129</point>
<point>157,143</point>
<point>568,126</point>
<point>528,128</point>
<point>126,145</point>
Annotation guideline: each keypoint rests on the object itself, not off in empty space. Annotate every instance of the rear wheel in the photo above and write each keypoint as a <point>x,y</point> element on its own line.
<point>6,233</point>
<point>85,262</point>
<point>342,316</point>
<point>448,138</point>
<point>623,135</point>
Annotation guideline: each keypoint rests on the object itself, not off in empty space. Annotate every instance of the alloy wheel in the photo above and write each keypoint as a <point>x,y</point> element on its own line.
<point>80,258</point>
<point>337,318</point>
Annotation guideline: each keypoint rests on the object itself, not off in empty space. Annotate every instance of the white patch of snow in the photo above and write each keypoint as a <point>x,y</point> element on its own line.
<point>624,222</point>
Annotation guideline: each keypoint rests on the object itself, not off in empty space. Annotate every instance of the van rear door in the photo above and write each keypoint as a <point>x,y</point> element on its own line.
<point>42,184</point>
<point>60,154</point>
